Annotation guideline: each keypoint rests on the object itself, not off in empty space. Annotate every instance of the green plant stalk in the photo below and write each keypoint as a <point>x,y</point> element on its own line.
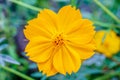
<point>16,73</point>
<point>105,25</point>
<point>26,5</point>
<point>108,75</point>
<point>107,11</point>
<point>2,74</point>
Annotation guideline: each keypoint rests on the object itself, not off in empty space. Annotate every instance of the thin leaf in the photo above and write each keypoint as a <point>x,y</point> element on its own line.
<point>9,59</point>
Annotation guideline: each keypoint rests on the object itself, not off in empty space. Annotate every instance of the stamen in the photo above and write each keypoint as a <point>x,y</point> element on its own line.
<point>58,41</point>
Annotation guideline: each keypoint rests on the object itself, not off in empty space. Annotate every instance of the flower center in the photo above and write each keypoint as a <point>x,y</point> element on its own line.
<point>106,45</point>
<point>58,41</point>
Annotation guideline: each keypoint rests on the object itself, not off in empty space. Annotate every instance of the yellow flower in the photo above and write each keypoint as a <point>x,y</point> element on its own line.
<point>107,43</point>
<point>59,41</point>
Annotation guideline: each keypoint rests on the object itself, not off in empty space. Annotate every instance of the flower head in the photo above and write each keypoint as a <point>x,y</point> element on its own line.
<point>59,41</point>
<point>107,43</point>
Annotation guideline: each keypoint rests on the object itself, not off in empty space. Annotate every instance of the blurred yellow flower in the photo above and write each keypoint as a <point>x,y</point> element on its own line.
<point>107,43</point>
<point>59,41</point>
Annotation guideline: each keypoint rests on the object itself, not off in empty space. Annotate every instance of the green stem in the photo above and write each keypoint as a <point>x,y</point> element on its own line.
<point>73,2</point>
<point>107,11</point>
<point>26,5</point>
<point>105,25</point>
<point>108,76</point>
<point>16,73</point>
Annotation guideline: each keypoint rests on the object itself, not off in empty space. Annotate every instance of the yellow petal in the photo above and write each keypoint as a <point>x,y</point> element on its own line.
<point>67,15</point>
<point>45,25</point>
<point>81,31</point>
<point>34,29</point>
<point>39,49</point>
<point>40,54</point>
<point>47,67</point>
<point>58,62</point>
<point>37,41</point>
<point>75,57</point>
<point>49,19</point>
<point>85,51</point>
<point>66,60</point>
<point>91,45</point>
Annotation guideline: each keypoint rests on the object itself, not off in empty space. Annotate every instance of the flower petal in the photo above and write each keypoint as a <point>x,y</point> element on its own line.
<point>45,25</point>
<point>49,19</point>
<point>34,29</point>
<point>74,56</point>
<point>81,31</point>
<point>40,54</point>
<point>67,15</point>
<point>69,60</point>
<point>37,41</point>
<point>85,51</point>
<point>41,47</point>
<point>58,62</point>
<point>47,67</point>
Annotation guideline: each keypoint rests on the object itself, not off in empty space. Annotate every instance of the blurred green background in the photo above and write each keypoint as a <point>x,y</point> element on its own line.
<point>14,65</point>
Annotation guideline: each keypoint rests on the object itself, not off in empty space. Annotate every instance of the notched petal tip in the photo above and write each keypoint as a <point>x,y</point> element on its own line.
<point>46,70</point>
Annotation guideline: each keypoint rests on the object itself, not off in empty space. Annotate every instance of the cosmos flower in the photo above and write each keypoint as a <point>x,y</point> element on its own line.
<point>107,43</point>
<point>59,41</point>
